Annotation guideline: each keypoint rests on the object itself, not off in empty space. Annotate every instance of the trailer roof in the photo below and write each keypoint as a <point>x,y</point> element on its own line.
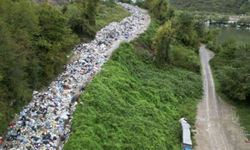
<point>186,138</point>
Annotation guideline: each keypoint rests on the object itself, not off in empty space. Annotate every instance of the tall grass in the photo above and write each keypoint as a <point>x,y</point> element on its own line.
<point>109,12</point>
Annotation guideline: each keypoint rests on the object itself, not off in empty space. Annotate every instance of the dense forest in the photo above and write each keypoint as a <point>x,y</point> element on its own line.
<point>35,42</point>
<point>146,86</point>
<point>228,6</point>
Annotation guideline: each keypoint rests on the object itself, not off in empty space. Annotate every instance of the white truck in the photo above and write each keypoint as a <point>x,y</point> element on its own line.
<point>186,135</point>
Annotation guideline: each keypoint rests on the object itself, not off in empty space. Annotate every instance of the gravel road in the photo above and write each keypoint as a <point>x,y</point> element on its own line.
<point>217,124</point>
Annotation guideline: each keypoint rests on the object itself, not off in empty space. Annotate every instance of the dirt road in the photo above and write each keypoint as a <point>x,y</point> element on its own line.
<point>217,124</point>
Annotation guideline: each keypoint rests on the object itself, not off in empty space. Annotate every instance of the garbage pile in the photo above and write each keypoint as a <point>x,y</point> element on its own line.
<point>45,123</point>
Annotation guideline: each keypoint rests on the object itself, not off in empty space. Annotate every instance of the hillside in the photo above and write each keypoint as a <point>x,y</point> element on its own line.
<point>228,6</point>
<point>55,2</point>
<point>133,104</point>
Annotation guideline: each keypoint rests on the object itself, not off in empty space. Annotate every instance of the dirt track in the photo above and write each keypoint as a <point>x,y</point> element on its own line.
<point>217,124</point>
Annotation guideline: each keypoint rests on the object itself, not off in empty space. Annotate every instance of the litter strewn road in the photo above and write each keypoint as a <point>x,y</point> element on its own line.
<point>217,124</point>
<point>45,123</point>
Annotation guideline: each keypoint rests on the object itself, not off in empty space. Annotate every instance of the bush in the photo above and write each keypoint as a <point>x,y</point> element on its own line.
<point>185,58</point>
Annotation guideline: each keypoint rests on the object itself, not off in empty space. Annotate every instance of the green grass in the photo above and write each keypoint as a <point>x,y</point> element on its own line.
<point>242,107</point>
<point>110,13</point>
<point>132,104</point>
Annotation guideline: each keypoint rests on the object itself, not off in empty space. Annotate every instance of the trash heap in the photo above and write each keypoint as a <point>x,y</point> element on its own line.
<point>45,123</point>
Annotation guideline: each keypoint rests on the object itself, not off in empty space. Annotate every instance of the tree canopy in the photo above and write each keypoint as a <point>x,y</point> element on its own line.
<point>232,68</point>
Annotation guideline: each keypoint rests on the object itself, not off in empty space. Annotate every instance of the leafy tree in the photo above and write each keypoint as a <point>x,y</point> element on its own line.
<point>186,33</point>
<point>159,8</point>
<point>54,40</point>
<point>200,29</point>
<point>232,68</point>
<point>162,42</point>
<point>88,10</point>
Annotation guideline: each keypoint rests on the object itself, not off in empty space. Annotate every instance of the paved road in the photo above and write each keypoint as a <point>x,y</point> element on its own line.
<point>217,124</point>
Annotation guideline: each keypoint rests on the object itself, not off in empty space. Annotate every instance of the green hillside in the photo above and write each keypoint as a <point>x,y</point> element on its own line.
<point>133,104</point>
<point>229,6</point>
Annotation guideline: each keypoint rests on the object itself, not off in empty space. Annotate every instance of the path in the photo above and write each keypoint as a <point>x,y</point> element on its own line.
<point>217,124</point>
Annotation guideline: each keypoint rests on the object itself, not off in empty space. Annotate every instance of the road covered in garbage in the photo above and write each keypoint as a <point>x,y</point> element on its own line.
<point>217,124</point>
<point>45,123</point>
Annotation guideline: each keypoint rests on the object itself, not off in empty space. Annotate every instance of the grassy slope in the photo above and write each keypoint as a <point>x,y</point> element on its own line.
<point>110,13</point>
<point>242,107</point>
<point>106,11</point>
<point>131,104</point>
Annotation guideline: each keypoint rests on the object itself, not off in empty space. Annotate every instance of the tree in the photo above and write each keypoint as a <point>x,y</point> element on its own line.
<point>159,8</point>
<point>162,42</point>
<point>88,10</point>
<point>54,41</point>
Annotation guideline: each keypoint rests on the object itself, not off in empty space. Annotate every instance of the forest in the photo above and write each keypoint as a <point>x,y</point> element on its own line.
<point>222,6</point>
<point>35,42</point>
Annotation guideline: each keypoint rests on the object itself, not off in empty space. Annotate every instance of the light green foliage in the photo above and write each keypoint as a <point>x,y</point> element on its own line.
<point>162,42</point>
<point>133,105</point>
<point>109,12</point>
<point>185,58</point>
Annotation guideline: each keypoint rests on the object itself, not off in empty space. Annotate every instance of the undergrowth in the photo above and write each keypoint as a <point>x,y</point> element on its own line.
<point>108,13</point>
<point>242,107</point>
<point>135,105</point>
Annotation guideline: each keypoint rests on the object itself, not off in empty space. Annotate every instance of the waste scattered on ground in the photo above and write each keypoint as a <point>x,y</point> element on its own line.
<point>45,122</point>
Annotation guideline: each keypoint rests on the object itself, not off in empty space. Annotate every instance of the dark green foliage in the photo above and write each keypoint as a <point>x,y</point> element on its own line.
<point>231,6</point>
<point>34,42</point>
<point>83,22</point>
<point>200,28</point>
<point>54,41</point>
<point>186,32</point>
<point>233,69</point>
<point>159,8</point>
<point>133,105</point>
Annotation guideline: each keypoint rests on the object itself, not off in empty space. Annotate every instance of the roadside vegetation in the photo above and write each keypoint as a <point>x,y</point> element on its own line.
<point>137,99</point>
<point>35,41</point>
<point>232,73</point>
<point>230,65</point>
